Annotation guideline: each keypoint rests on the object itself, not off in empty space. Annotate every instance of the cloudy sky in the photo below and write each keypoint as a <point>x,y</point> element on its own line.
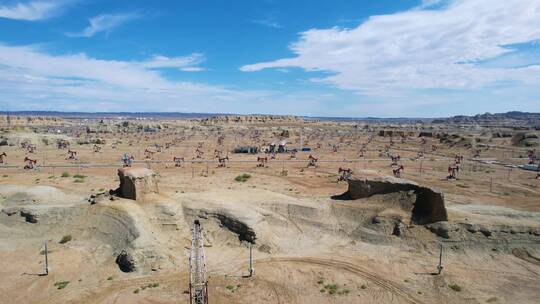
<point>354,58</point>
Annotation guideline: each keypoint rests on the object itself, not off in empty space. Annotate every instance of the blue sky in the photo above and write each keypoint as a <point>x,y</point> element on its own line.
<point>355,58</point>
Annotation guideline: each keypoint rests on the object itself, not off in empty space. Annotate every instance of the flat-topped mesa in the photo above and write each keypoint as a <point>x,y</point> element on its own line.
<point>136,182</point>
<point>251,119</point>
<point>428,207</point>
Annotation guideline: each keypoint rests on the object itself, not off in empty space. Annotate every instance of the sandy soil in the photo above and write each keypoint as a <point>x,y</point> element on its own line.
<point>306,242</point>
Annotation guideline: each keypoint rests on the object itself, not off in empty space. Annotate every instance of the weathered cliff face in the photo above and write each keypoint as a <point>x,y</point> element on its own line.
<point>526,139</point>
<point>136,182</point>
<point>427,207</point>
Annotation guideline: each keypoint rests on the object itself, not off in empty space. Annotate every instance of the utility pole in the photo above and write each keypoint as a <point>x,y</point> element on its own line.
<point>301,140</point>
<point>46,260</point>
<point>440,266</point>
<point>251,270</point>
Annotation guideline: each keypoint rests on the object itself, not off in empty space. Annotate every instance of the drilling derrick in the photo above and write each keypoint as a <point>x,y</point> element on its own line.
<point>198,286</point>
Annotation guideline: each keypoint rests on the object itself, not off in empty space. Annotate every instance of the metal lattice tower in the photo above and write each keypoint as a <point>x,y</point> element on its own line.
<point>198,285</point>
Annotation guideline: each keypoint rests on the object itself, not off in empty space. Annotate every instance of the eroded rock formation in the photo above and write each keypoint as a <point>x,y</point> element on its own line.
<point>136,182</point>
<point>427,207</point>
<point>125,262</point>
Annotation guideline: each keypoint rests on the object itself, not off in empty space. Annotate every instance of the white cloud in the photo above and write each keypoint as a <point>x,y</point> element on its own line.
<point>393,61</point>
<point>192,69</point>
<point>430,3</point>
<point>185,63</point>
<point>32,11</point>
<point>31,79</point>
<point>104,23</point>
<point>420,49</point>
<point>268,22</point>
<point>76,66</point>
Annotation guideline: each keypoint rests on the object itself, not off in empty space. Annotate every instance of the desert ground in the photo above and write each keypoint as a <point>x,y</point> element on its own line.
<point>314,239</point>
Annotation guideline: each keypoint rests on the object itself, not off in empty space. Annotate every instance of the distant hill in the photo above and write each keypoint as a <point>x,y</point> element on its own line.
<point>511,119</point>
<point>129,115</point>
<point>204,116</point>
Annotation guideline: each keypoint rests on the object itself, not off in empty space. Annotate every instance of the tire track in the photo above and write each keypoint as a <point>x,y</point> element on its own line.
<point>77,294</point>
<point>347,266</point>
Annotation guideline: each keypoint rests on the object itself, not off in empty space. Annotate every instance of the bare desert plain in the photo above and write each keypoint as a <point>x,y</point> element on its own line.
<point>115,201</point>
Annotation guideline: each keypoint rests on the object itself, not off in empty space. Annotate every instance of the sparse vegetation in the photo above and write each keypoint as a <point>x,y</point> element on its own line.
<point>65,239</point>
<point>242,177</point>
<point>151,285</point>
<point>232,288</point>
<point>61,284</point>
<point>136,290</point>
<point>332,289</point>
<point>79,178</point>
<point>109,278</point>
<point>455,287</point>
<point>65,174</point>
